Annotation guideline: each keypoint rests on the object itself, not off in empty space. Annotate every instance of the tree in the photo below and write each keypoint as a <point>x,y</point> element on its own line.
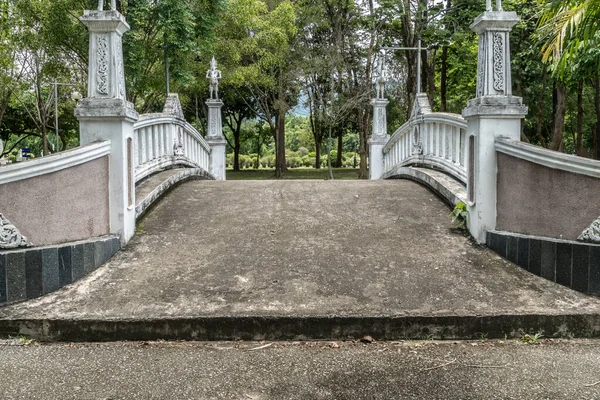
<point>568,30</point>
<point>257,44</point>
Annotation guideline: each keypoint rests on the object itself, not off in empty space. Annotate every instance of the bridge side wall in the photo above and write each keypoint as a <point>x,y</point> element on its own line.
<point>537,200</point>
<point>63,206</point>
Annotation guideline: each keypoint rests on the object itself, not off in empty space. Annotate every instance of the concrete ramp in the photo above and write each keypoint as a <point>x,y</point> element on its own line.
<point>303,260</point>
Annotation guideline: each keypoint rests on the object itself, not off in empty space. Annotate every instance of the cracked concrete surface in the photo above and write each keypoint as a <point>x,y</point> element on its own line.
<point>309,248</point>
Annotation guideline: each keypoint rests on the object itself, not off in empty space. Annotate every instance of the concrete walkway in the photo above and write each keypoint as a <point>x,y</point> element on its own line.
<point>303,259</point>
<point>309,371</point>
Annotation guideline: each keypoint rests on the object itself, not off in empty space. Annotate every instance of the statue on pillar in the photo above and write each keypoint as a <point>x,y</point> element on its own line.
<point>214,75</point>
<point>113,5</point>
<point>380,82</point>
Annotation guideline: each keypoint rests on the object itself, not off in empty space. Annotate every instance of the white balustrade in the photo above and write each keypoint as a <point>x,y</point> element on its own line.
<point>163,140</point>
<point>429,139</point>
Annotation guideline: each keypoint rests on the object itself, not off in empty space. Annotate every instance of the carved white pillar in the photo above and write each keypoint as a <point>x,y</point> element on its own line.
<point>494,112</point>
<point>106,114</point>
<point>379,138</point>
<point>216,140</point>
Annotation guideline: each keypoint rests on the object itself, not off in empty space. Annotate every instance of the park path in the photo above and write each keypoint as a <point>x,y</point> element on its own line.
<point>302,248</point>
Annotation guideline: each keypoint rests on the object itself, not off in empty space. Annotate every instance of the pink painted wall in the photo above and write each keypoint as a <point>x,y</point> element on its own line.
<point>537,200</point>
<point>63,206</point>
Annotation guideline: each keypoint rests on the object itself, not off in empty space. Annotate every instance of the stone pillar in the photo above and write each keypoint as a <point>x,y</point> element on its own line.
<point>216,140</point>
<point>379,138</point>
<point>106,114</point>
<point>2,159</point>
<point>493,113</point>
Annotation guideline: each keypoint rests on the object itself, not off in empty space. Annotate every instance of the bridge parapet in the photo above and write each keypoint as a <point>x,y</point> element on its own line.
<point>162,140</point>
<point>436,140</point>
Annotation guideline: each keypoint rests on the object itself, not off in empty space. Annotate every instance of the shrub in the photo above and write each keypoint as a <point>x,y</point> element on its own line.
<point>302,152</point>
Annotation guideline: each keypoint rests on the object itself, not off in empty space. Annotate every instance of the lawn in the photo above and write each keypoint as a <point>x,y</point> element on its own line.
<point>292,173</point>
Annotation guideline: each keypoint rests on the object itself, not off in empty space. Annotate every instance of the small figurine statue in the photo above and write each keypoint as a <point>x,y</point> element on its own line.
<point>214,75</point>
<point>113,5</point>
<point>380,83</point>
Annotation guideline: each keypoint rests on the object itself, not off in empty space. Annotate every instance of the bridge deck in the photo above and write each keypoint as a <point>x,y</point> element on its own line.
<point>302,248</point>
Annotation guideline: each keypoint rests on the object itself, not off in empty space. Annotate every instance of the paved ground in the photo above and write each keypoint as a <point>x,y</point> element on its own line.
<point>304,248</point>
<point>322,370</point>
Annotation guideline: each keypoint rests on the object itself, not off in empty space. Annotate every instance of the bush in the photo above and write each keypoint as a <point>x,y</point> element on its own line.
<point>302,152</point>
<point>293,162</point>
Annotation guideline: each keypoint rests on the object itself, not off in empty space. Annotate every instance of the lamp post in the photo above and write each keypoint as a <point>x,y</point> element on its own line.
<point>55,85</point>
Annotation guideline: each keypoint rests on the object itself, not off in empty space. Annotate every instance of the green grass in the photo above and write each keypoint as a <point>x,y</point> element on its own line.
<point>292,173</point>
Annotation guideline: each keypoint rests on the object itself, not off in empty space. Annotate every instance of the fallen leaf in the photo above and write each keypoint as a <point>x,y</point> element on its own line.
<point>367,339</point>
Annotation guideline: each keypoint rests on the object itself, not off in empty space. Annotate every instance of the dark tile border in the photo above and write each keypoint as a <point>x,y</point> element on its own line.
<point>572,264</point>
<point>30,273</point>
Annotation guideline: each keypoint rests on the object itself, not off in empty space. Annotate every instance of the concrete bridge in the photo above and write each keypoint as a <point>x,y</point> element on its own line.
<point>282,260</point>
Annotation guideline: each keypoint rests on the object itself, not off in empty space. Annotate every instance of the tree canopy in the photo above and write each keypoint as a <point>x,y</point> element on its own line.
<point>298,74</point>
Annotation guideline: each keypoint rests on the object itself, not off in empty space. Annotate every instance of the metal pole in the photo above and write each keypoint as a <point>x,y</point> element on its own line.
<point>167,67</point>
<point>56,115</point>
<point>419,68</point>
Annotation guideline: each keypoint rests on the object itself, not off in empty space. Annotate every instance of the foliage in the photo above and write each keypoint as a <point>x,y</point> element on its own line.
<point>460,215</point>
<point>531,339</point>
<point>303,68</point>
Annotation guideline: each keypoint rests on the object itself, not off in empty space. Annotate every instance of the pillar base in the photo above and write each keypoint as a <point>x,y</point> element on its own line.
<point>376,145</point>
<point>217,157</point>
<point>113,119</point>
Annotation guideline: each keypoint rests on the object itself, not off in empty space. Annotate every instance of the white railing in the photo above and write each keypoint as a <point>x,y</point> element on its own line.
<point>163,140</point>
<point>54,162</point>
<point>431,139</point>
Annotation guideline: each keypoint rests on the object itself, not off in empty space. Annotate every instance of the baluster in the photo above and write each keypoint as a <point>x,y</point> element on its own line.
<point>434,129</point>
<point>140,145</point>
<point>150,148</point>
<point>144,136</point>
<point>136,143</point>
<point>154,142</point>
<point>463,147</point>
<point>442,142</point>
<point>449,142</point>
<point>456,145</point>
<point>409,144</point>
<point>167,146</point>
<point>423,138</point>
<point>195,146</point>
<point>161,140</point>
<point>148,135</point>
<point>401,149</point>
<point>430,138</point>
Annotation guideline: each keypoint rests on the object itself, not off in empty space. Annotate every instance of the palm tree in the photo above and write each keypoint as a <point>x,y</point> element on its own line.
<point>567,29</point>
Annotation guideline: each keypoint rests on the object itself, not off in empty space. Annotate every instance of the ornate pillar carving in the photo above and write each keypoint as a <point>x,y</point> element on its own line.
<point>492,113</point>
<point>106,114</point>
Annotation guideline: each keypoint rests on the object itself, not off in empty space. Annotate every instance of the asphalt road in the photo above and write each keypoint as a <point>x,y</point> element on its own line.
<point>301,370</point>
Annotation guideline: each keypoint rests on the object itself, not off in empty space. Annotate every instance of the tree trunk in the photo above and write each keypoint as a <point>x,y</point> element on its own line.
<point>444,80</point>
<point>540,110</point>
<point>340,149</point>
<point>317,154</point>
<point>579,142</point>
<point>236,149</point>
<point>363,117</point>
<point>560,108</point>
<point>596,153</point>
<point>280,166</point>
